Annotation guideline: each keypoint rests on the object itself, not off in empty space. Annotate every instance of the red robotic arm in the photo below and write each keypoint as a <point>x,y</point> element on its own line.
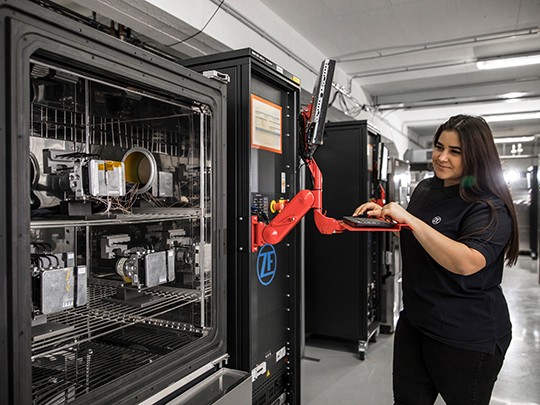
<point>294,211</point>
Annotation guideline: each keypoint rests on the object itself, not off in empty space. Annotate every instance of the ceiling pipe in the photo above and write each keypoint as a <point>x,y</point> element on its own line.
<point>445,103</point>
<point>413,68</point>
<point>381,52</point>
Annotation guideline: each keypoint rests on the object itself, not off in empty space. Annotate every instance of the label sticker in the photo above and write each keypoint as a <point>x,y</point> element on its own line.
<point>260,369</point>
<point>281,353</point>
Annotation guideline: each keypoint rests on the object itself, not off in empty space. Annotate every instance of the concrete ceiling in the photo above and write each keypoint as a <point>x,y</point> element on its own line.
<point>416,59</point>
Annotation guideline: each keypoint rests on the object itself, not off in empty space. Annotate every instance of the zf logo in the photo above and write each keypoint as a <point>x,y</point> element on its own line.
<point>266,264</point>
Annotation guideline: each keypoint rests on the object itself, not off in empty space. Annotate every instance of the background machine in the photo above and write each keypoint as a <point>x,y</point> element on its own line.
<point>343,271</point>
<point>398,189</point>
<point>113,220</point>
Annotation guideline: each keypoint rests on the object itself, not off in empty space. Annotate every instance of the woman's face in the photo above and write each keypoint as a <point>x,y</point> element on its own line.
<point>447,159</point>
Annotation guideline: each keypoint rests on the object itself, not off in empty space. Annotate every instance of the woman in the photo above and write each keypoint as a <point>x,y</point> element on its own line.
<point>455,328</point>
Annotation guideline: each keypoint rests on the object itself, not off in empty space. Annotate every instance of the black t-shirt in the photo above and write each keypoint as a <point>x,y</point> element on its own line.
<point>469,312</point>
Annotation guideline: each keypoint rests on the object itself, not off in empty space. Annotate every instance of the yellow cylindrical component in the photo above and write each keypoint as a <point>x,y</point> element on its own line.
<point>141,168</point>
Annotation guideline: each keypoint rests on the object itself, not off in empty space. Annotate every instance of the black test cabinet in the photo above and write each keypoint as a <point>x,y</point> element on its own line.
<point>343,271</point>
<point>263,286</point>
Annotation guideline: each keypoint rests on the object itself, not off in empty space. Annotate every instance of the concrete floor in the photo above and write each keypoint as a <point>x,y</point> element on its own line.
<point>333,374</point>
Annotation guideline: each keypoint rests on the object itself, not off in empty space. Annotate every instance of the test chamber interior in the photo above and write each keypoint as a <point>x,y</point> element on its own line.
<point>113,216</point>
<point>264,289</point>
<point>343,271</point>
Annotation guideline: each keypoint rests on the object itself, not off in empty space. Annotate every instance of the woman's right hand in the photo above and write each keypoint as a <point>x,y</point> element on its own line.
<point>370,208</point>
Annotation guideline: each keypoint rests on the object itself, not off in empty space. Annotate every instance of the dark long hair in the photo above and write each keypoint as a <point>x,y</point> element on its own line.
<point>482,170</point>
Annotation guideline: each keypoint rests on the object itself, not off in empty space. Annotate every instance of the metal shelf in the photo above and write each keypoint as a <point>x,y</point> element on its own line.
<point>102,317</point>
<point>68,374</point>
<point>155,215</point>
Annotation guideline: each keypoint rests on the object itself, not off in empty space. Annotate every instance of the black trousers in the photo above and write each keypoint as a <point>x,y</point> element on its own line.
<point>424,368</point>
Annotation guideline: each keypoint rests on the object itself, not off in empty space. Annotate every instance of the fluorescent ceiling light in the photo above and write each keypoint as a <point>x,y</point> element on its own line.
<point>508,62</point>
<point>511,175</point>
<point>515,139</point>
<point>513,94</point>
<point>512,100</point>
<point>513,117</point>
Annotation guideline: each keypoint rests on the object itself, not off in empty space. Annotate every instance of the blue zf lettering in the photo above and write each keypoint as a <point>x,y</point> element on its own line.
<point>266,264</point>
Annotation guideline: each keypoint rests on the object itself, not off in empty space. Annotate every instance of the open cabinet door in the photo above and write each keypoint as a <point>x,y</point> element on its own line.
<point>112,227</point>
